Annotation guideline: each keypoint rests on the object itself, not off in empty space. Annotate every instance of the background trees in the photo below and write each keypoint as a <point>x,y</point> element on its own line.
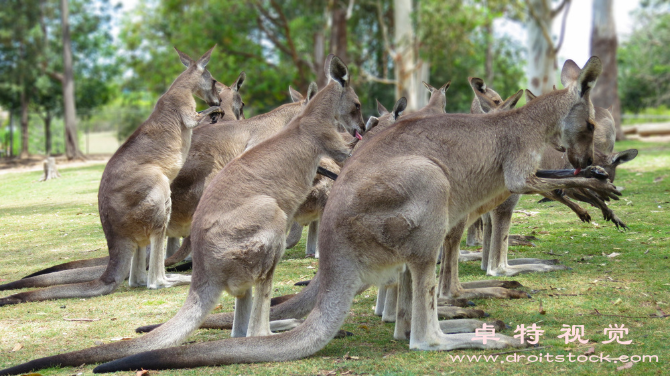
<point>390,46</point>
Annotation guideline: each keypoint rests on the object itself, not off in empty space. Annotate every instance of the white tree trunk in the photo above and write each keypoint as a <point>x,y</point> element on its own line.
<point>70,112</point>
<point>541,52</point>
<point>604,45</point>
<point>409,69</point>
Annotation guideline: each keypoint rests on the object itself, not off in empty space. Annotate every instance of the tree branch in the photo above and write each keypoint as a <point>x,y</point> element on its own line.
<point>565,18</point>
<point>545,32</point>
<point>370,77</point>
<point>556,11</point>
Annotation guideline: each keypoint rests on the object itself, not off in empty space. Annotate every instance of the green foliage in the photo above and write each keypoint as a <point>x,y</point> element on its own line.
<point>644,60</point>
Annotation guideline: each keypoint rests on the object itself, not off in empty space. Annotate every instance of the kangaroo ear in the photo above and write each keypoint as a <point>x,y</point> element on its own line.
<point>381,109</point>
<point>427,85</point>
<point>295,95</point>
<point>477,84</point>
<point>338,71</point>
<point>511,102</point>
<point>530,96</point>
<point>610,109</point>
<point>589,75</point>
<point>569,73</point>
<point>372,122</point>
<point>445,87</point>
<point>624,156</point>
<point>204,59</point>
<point>312,90</point>
<point>238,83</point>
<point>185,59</point>
<point>399,107</point>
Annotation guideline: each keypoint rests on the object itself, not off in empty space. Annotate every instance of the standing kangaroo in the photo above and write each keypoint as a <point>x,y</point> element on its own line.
<point>134,195</point>
<point>214,146</point>
<point>394,203</point>
<point>232,108</point>
<point>238,232</point>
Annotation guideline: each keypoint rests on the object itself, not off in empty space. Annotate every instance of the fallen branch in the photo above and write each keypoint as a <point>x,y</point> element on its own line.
<point>66,319</point>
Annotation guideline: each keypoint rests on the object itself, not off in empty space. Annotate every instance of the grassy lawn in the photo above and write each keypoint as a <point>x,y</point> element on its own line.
<point>42,224</point>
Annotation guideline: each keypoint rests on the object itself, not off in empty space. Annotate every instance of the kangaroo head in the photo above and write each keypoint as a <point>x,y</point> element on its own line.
<point>488,101</point>
<point>200,81</point>
<point>231,100</point>
<point>297,97</point>
<point>438,97</point>
<point>611,161</point>
<point>348,108</point>
<point>578,126</point>
<point>387,118</point>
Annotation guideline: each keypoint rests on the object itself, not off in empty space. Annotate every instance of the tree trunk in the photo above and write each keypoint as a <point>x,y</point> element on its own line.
<point>319,56</point>
<point>10,148</point>
<point>50,170</point>
<point>488,65</point>
<point>604,45</point>
<point>409,70</point>
<point>70,112</point>
<point>47,133</point>
<point>541,51</point>
<point>24,124</point>
<point>338,33</point>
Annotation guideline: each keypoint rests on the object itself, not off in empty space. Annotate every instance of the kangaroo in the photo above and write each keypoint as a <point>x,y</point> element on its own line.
<point>232,108</point>
<point>394,202</point>
<point>134,195</point>
<point>238,232</point>
<point>214,146</point>
<point>435,105</point>
<point>497,224</point>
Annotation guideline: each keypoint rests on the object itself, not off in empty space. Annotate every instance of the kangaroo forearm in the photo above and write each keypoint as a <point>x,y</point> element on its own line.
<point>581,212</point>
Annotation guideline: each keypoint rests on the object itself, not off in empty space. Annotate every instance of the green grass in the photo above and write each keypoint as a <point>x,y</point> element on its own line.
<point>42,224</point>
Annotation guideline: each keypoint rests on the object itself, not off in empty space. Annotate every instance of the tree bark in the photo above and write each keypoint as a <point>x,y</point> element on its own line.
<point>50,170</point>
<point>47,132</point>
<point>24,123</point>
<point>319,56</point>
<point>10,148</point>
<point>488,65</point>
<point>338,33</point>
<point>541,51</point>
<point>70,112</point>
<point>604,45</point>
<point>409,69</point>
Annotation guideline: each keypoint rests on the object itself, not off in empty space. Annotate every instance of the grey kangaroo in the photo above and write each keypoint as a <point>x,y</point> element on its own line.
<point>238,233</point>
<point>134,196</point>
<point>232,108</point>
<point>394,202</point>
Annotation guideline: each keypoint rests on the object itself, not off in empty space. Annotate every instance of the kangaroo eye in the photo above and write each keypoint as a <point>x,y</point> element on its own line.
<point>590,126</point>
<point>358,106</point>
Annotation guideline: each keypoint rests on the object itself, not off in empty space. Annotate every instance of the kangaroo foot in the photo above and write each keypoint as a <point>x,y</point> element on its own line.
<point>146,328</point>
<point>10,301</point>
<point>523,261</point>
<point>491,293</point>
<point>469,256</point>
<point>512,270</point>
<point>491,283</point>
<point>284,325</point>
<point>456,302</point>
<point>183,267</point>
<point>450,312</point>
<point>468,325</point>
<point>465,341</point>
<point>170,281</point>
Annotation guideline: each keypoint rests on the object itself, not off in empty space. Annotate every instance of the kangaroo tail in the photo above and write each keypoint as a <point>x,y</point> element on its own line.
<point>84,274</point>
<point>71,265</point>
<point>186,321</point>
<point>181,253</point>
<point>298,306</point>
<point>116,272</point>
<point>318,329</point>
